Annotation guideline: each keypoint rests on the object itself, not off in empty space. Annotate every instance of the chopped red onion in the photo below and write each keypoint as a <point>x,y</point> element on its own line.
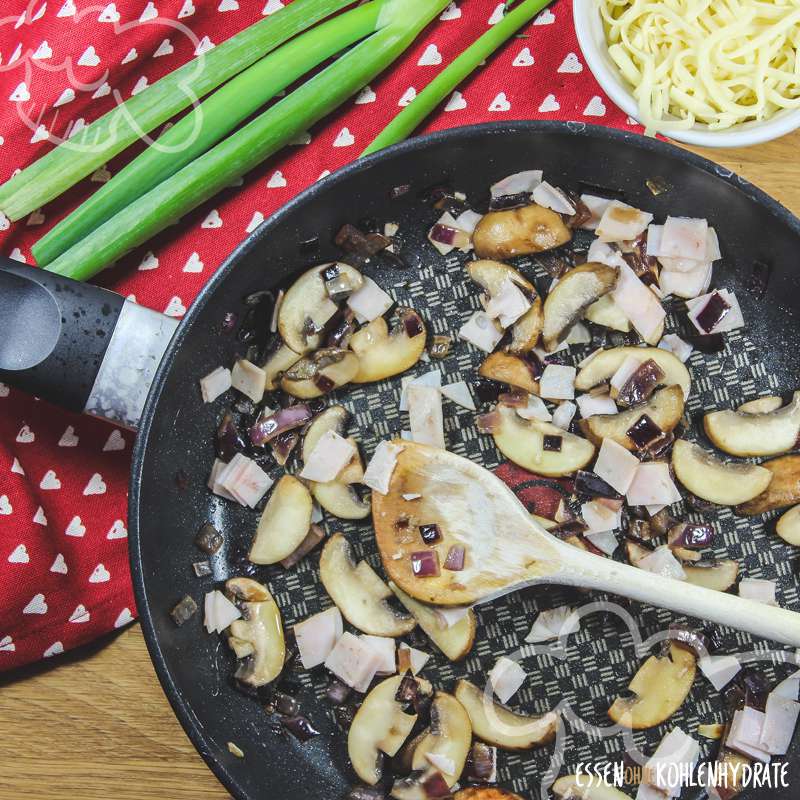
<point>331,454</point>
<point>551,443</point>
<point>591,405</point>
<point>761,591</point>
<point>615,466</point>
<point>379,471</point>
<point>481,331</point>
<point>435,786</point>
<point>641,384</point>
<point>519,183</point>
<point>720,670</point>
<point>652,484</point>
<point>644,432</point>
<point>412,324</point>
<point>553,198</point>
<point>455,558</point>
<point>430,533</point>
<point>370,301</point>
<point>425,563</point>
<point>276,423</point>
<point>557,382</point>
<point>562,416</point>
<point>482,763</point>
<point>744,734</point>
<point>691,535</point>
<point>713,312</point>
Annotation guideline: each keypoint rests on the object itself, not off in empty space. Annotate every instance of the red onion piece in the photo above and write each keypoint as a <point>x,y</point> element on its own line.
<point>514,399</point>
<point>641,384</point>
<point>283,420</point>
<point>425,563</point>
<point>300,727</point>
<point>455,558</point>
<point>314,536</point>
<point>591,485</point>
<point>552,444</point>
<point>430,533</point>
<point>412,324</point>
<point>713,312</point>
<point>443,234</point>
<point>435,786</point>
<point>644,432</point>
<point>690,535</point>
<point>283,444</point>
<point>488,423</point>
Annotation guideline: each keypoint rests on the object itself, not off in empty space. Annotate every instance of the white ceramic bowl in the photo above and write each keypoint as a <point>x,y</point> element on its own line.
<point>591,37</point>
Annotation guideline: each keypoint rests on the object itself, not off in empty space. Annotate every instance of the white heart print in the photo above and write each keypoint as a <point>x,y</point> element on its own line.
<point>55,649</point>
<point>99,575</point>
<point>366,95</point>
<point>549,104</point>
<point>141,85</point>
<point>17,467</point>
<point>16,54</point>
<point>50,481</point>
<point>42,52</point>
<point>37,605</point>
<point>67,10</point>
<point>187,9</point>
<point>571,64</point>
<point>193,264</point>
<point>39,518</point>
<point>498,14</point>
<point>148,262</point>
<point>96,484</point>
<point>164,49</point>
<point>25,435</point>
<point>431,57</point>
<point>132,56</point>
<point>102,91</point>
<point>20,94</point>
<point>7,645</point>
<point>175,307</point>
<point>203,46</point>
<point>547,17</point>
<point>109,14</point>
<point>271,7</point>
<point>40,13</point>
<point>595,107</point>
<point>115,441</point>
<point>59,565</point>
<point>124,618</point>
<point>524,58</point>
<point>500,103</point>
<point>67,96</point>
<point>117,530</point>
<point>89,57</point>
<point>75,527</point>
<point>80,614</point>
<point>17,255</point>
<point>150,12</point>
<point>344,138</point>
<point>5,506</point>
<point>228,5</point>
<point>451,12</point>
<point>213,220</point>
<point>408,97</point>
<point>276,181</point>
<point>40,134</point>
<point>456,102</point>
<point>19,555</point>
<point>257,219</point>
<point>68,438</point>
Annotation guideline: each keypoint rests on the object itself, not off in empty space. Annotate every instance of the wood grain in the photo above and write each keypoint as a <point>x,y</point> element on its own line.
<point>95,724</point>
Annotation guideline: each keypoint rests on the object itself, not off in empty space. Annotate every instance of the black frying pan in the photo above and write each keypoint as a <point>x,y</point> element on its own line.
<point>174,451</point>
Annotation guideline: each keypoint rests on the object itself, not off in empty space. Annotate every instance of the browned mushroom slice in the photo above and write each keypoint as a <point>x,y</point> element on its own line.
<point>485,793</point>
<point>277,363</point>
<point>783,489</point>
<point>511,369</point>
<point>572,295</point>
<point>497,725</point>
<point>720,575</point>
<point>788,526</point>
<point>748,433</point>
<point>723,482</point>
<point>659,689</point>
<point>519,232</point>
<point>382,353</point>
<point>307,306</point>
<point>446,745</point>
<point>761,405</point>
<point>284,522</point>
<point>607,313</point>
<point>320,373</point>
<point>664,408</point>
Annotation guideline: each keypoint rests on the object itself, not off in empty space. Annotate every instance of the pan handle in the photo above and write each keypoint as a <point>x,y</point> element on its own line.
<point>76,345</point>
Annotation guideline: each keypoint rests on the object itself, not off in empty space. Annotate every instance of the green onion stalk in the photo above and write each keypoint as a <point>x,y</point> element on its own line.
<point>404,124</point>
<point>70,162</point>
<point>208,124</point>
<point>399,23</point>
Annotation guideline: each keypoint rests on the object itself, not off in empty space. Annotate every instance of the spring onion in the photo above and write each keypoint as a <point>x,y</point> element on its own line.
<point>208,124</point>
<point>96,144</point>
<point>399,22</point>
<point>404,124</point>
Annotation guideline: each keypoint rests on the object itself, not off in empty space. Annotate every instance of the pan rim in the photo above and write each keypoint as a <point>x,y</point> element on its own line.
<point>180,707</point>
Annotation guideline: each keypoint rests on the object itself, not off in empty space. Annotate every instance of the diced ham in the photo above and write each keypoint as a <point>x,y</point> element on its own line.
<point>731,321</point>
<point>331,454</point>
<point>759,590</point>
<point>780,719</point>
<point>557,382</point>
<point>536,409</point>
<point>432,378</point>
<point>460,394</point>
<point>219,612</point>
<point>249,379</point>
<point>677,346</point>
<point>552,624</point>
<point>553,198</point>
<point>460,238</point>
<point>481,331</point>
<point>592,404</point>
<point>720,670</point>
<point>662,562</point>
<point>508,304</point>
<point>443,763</point>
<point>447,616</point>
<point>605,541</point>
<point>245,480</point>
<point>745,733</point>
<point>597,206</point>
<point>353,661</point>
<point>616,465</point>
<point>518,183</point>
<point>562,416</point>
<point>625,371</point>
<point>638,304</point>
<point>652,484</point>
<point>654,248</point>
<point>669,768</point>
<point>687,284</point>
<point>789,687</point>
<point>215,383</point>
<point>213,480</point>
<point>378,474</point>
<point>684,237</point>
<point>622,223</point>
<point>317,635</point>
<point>425,415</point>
<point>506,676</point>
<point>370,301</point>
<point>599,517</point>
<point>603,253</point>
<point>385,647</point>
<point>468,220</point>
<point>410,658</point>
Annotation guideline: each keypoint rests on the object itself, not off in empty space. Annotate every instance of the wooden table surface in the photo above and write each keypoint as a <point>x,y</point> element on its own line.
<point>95,723</point>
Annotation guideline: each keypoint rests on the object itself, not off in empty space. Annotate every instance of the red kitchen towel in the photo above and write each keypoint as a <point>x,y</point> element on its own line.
<point>63,478</point>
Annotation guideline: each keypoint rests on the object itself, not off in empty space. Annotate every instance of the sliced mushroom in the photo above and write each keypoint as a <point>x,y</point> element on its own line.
<point>497,725</point>
<point>602,366</point>
<point>607,313</point>
<point>664,408</point>
<point>485,793</point>
<point>783,489</point>
<point>511,369</point>
<point>342,500</point>
<point>320,373</point>
<point>761,405</point>
<point>382,353</point>
<point>455,641</point>
<point>585,787</point>
<point>421,785</point>
<point>258,635</point>
<point>448,740</point>
<point>277,363</point>
<point>491,275</point>
<point>720,575</point>
<point>788,526</point>
<point>306,307</point>
<point>572,295</point>
<point>659,689</point>
<point>284,522</point>
<point>747,433</point>
<point>519,232</point>
<point>723,482</point>
<point>380,726</point>
<point>523,442</point>
<point>358,591</point>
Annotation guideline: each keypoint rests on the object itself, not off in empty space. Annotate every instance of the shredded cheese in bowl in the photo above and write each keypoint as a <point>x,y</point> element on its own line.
<point>715,62</point>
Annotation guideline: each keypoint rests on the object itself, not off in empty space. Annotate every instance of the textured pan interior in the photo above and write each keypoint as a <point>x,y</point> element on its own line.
<point>177,435</point>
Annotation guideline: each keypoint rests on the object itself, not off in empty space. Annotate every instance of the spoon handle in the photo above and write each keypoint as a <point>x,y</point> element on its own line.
<point>595,572</point>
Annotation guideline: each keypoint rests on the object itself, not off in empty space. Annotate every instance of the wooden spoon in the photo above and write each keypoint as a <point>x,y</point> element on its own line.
<point>507,550</point>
